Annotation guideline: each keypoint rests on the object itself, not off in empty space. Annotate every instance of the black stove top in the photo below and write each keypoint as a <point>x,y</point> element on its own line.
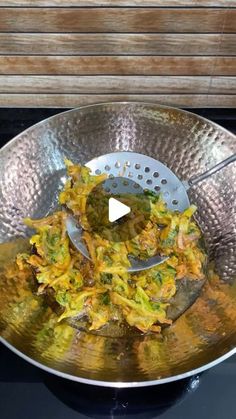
<point>27,392</point>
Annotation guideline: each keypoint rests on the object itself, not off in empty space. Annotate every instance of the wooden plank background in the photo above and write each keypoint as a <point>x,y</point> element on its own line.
<point>66,53</point>
<point>131,3</point>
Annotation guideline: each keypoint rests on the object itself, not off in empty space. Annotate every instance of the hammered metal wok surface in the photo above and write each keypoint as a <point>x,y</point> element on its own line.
<point>32,172</point>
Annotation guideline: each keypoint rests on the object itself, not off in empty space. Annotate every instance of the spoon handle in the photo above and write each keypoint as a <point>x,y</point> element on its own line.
<point>195,180</point>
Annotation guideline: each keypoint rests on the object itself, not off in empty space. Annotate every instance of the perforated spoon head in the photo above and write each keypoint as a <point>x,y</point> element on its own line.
<point>75,234</point>
<point>148,174</point>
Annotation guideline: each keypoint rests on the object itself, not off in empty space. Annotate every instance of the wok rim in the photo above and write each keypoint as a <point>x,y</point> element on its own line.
<point>183,111</point>
<point>118,384</point>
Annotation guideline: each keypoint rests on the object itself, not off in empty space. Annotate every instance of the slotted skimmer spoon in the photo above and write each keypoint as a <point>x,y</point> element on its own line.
<point>149,174</point>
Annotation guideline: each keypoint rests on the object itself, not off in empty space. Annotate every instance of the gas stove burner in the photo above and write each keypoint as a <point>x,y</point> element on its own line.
<point>104,403</point>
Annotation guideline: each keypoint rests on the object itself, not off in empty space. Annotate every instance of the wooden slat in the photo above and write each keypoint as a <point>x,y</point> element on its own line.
<point>117,44</point>
<point>117,20</point>
<point>223,85</point>
<point>129,65</point>
<point>146,3</point>
<point>69,101</point>
<point>117,84</point>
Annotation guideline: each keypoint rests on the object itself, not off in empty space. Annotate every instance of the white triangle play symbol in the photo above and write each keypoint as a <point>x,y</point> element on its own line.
<point>117,210</point>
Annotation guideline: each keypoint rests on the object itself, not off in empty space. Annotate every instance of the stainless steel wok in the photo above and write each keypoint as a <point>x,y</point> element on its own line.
<point>32,173</point>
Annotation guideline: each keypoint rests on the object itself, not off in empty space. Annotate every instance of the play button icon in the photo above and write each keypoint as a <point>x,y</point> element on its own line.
<point>117,210</point>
